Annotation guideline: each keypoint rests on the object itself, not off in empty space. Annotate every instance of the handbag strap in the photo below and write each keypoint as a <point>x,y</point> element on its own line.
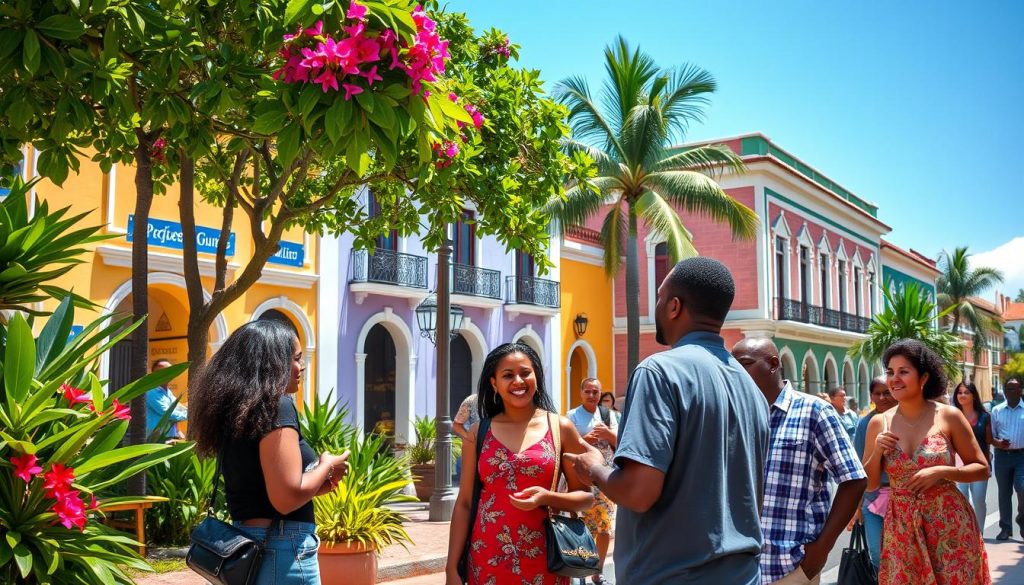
<point>216,486</point>
<point>556,436</point>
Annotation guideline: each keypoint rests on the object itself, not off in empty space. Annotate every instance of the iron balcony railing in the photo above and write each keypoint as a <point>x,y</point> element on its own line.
<point>476,281</point>
<point>529,290</point>
<point>792,310</point>
<point>388,267</point>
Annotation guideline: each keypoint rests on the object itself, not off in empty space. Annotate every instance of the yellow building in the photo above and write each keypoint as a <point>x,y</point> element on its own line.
<point>587,296</point>
<point>288,287</point>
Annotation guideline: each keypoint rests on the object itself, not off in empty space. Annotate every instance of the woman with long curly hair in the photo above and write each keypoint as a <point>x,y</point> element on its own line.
<point>242,411</point>
<point>516,469</point>
<point>930,533</point>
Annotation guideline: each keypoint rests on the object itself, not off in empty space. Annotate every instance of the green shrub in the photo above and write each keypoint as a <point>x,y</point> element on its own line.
<point>187,483</point>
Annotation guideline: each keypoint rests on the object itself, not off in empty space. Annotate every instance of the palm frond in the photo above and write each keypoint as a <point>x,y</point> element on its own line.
<point>614,233</point>
<point>580,202</point>
<point>698,193</point>
<point>587,122</point>
<point>643,136</point>
<point>629,72</point>
<point>709,159</point>
<point>604,161</point>
<point>662,218</point>
<point>687,97</point>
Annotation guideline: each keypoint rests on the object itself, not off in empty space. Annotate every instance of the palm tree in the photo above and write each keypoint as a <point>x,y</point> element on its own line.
<point>644,110</point>
<point>1020,296</point>
<point>909,314</point>
<point>956,285</point>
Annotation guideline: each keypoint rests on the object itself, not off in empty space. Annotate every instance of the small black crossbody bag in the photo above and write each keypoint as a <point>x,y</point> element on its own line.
<point>222,553</point>
<point>572,551</point>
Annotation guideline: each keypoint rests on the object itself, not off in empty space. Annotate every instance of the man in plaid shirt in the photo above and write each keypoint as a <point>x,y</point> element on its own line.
<point>808,445</point>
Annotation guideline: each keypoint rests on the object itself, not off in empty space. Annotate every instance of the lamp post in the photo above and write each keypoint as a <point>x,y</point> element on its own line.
<point>438,321</point>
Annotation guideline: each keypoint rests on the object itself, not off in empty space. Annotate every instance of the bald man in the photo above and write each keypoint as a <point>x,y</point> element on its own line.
<point>808,445</point>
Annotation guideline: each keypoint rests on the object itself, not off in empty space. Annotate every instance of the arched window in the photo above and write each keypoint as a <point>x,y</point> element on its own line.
<point>661,263</point>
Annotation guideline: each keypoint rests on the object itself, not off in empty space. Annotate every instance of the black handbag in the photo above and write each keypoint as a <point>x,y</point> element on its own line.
<point>221,553</point>
<point>478,486</point>
<point>571,549</point>
<point>855,568</point>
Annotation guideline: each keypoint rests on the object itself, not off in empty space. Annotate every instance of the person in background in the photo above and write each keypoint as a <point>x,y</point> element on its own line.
<point>688,473</point>
<point>158,402</point>
<point>968,401</point>
<point>930,534</point>
<point>608,401</point>
<point>800,520</point>
<point>849,418</point>
<point>853,407</point>
<point>243,413</point>
<point>1008,439</point>
<point>883,401</point>
<point>599,427</point>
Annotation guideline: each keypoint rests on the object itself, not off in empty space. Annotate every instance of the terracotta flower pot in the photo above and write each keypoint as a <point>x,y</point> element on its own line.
<point>348,563</point>
<point>424,474</point>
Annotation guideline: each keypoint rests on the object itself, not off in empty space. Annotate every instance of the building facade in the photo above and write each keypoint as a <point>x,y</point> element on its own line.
<point>287,290</point>
<point>985,368</point>
<point>382,367</point>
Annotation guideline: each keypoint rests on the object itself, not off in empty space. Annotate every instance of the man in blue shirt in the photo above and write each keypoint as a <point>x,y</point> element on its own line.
<point>1008,439</point>
<point>808,446</point>
<point>693,439</point>
<point>158,402</point>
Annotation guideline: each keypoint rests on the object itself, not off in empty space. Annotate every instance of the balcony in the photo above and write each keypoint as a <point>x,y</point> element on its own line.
<point>791,310</point>
<point>475,281</point>
<point>531,295</point>
<point>388,273</point>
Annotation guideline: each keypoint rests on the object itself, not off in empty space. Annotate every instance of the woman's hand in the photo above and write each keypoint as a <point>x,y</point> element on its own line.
<point>858,516</point>
<point>886,442</point>
<point>530,498</point>
<point>451,577</point>
<point>926,478</point>
<point>337,463</point>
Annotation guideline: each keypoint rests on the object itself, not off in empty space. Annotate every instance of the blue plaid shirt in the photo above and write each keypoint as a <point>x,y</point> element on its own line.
<point>808,445</point>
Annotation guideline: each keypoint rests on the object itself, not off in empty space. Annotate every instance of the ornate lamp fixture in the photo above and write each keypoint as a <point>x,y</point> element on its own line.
<point>426,318</point>
<point>580,324</point>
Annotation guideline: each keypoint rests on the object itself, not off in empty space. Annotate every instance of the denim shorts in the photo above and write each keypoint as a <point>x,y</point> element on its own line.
<point>289,557</point>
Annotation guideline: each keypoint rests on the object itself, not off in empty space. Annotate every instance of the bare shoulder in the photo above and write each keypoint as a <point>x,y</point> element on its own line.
<point>876,423</point>
<point>566,426</point>
<point>951,414</point>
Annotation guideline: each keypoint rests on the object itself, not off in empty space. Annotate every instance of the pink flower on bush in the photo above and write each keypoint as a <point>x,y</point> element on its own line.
<point>478,118</point>
<point>121,411</point>
<point>70,510</point>
<point>57,481</point>
<point>158,152</point>
<point>425,58</point>
<point>445,154</point>
<point>25,467</point>
<point>75,395</point>
<point>356,11</point>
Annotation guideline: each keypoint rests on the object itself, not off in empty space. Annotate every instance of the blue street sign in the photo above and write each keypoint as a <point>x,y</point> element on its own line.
<point>290,254</point>
<point>168,234</point>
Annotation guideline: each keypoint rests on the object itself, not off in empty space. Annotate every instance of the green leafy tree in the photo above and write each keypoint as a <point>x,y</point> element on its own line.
<point>1020,296</point>
<point>643,111</point>
<point>1014,367</point>
<point>909,314</point>
<point>957,283</point>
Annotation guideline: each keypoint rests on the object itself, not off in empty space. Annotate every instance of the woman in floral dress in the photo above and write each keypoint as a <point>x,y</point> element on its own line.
<point>931,536</point>
<point>516,468</point>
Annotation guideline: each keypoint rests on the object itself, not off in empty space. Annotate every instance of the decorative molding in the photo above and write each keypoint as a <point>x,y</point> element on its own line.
<point>160,261</point>
<point>278,277</point>
<point>361,290</point>
<point>514,310</point>
<point>405,378</point>
<point>529,336</point>
<point>583,255</point>
<point>475,301</point>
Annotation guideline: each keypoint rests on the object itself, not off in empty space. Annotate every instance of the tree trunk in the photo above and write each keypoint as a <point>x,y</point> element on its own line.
<point>198,328</point>
<point>632,296</point>
<point>140,298</point>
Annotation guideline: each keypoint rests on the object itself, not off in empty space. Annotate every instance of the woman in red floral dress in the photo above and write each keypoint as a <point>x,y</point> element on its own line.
<point>516,469</point>
<point>931,536</point>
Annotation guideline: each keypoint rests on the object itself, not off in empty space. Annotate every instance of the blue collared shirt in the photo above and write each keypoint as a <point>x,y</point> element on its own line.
<point>1008,423</point>
<point>158,401</point>
<point>808,445</point>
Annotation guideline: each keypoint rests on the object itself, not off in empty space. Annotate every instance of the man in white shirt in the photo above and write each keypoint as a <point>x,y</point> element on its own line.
<point>599,427</point>
<point>1008,439</point>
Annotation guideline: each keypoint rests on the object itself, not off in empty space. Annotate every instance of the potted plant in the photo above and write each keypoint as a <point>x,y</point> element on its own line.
<point>421,457</point>
<point>354,522</point>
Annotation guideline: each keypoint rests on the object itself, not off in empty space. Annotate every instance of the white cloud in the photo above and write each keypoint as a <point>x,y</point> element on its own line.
<point>1009,258</point>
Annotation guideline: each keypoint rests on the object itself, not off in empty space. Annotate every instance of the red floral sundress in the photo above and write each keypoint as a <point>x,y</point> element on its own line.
<point>507,546</point>
<point>931,537</point>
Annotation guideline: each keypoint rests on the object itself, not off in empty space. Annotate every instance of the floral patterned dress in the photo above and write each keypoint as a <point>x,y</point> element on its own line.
<point>508,543</point>
<point>931,537</point>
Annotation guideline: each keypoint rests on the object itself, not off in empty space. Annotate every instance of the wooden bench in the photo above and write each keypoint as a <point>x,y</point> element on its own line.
<point>140,518</point>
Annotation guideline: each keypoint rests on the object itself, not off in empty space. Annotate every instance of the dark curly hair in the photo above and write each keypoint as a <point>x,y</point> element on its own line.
<point>924,360</point>
<point>489,403</point>
<point>979,407</point>
<point>237,393</point>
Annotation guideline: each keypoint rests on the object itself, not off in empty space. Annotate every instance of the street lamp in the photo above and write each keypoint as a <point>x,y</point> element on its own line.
<point>580,324</point>
<point>439,321</point>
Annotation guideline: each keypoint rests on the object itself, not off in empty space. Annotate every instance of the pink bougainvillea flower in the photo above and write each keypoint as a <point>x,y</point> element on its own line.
<point>298,33</point>
<point>327,80</point>
<point>121,411</point>
<point>25,467</point>
<point>70,510</point>
<point>93,502</point>
<point>313,59</point>
<point>75,395</point>
<point>315,30</point>
<point>453,96</point>
<point>356,11</point>
<point>351,89</point>
<point>451,149</point>
<point>478,118</point>
<point>57,481</point>
<point>371,75</point>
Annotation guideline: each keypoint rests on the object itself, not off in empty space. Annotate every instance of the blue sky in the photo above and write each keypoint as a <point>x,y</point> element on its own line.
<point>915,106</point>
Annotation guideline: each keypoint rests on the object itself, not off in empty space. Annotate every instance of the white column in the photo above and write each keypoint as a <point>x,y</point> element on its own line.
<point>328,318</point>
<point>360,408</point>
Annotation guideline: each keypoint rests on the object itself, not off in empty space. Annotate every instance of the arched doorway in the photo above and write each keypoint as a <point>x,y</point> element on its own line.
<point>864,385</point>
<point>577,373</point>
<point>461,373</point>
<point>167,332</point>
<point>379,382</point>
<point>788,365</point>
<point>831,374</point>
<point>809,375</point>
<point>849,383</point>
